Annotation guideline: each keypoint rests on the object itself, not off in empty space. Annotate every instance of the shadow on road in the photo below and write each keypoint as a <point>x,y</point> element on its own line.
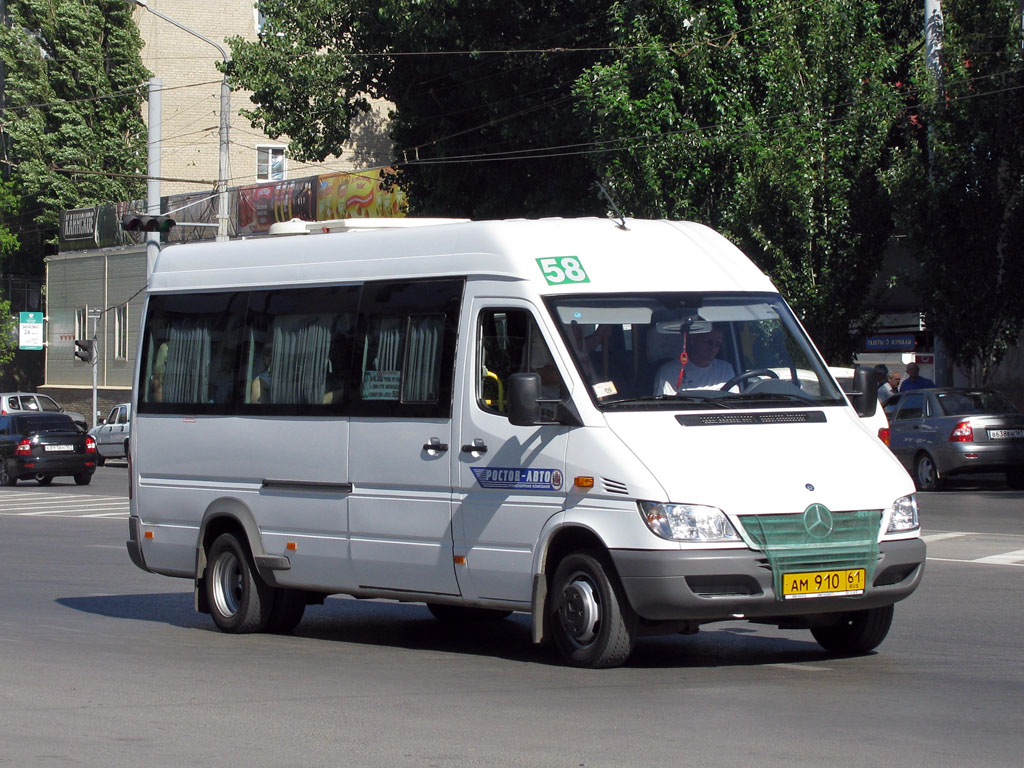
<point>410,626</point>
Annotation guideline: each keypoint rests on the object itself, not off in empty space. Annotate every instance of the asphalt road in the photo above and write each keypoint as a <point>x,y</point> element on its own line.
<point>104,665</point>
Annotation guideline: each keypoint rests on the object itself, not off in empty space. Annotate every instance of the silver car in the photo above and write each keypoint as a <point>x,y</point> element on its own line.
<point>938,433</point>
<point>112,433</point>
<point>16,403</point>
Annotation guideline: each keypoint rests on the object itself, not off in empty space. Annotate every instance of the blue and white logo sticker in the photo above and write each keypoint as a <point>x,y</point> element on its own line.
<point>518,479</point>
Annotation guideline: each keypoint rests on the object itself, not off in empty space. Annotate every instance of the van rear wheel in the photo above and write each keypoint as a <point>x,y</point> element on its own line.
<point>856,632</point>
<point>239,600</point>
<point>590,618</point>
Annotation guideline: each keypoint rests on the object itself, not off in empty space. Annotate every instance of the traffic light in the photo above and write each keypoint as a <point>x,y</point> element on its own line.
<point>85,350</point>
<point>144,222</point>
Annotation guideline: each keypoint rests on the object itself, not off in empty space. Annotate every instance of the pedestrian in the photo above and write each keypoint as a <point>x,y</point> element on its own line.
<point>914,379</point>
<point>885,390</point>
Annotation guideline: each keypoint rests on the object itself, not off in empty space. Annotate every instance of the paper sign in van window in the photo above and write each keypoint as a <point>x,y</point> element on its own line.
<point>381,385</point>
<point>560,270</point>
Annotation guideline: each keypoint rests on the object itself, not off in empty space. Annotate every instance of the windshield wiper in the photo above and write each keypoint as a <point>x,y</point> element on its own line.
<point>770,397</point>
<point>666,399</point>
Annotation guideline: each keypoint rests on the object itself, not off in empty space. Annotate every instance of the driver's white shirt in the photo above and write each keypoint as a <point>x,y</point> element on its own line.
<point>694,377</point>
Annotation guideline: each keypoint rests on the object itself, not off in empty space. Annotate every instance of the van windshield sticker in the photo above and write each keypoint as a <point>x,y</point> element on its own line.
<point>559,270</point>
<point>519,479</point>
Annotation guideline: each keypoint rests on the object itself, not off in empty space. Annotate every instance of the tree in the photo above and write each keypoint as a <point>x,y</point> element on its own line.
<point>481,94</point>
<point>960,182</point>
<point>769,121</point>
<point>8,242</point>
<point>73,105</point>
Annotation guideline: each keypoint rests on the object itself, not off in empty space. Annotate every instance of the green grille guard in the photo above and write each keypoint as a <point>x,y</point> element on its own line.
<point>793,547</point>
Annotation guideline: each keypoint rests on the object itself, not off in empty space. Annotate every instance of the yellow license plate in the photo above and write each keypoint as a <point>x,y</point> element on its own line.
<point>823,584</point>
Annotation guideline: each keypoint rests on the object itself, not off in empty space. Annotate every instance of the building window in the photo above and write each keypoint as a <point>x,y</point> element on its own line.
<point>270,163</point>
<point>121,332</point>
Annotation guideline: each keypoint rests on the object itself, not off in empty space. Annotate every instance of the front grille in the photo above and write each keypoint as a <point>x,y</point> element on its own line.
<point>852,543</point>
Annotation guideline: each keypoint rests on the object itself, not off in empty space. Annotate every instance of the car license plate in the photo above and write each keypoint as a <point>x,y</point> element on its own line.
<point>1005,434</point>
<point>60,447</point>
<point>823,584</point>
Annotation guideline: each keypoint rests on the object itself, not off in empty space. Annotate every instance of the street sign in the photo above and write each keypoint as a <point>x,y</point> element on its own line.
<point>30,330</point>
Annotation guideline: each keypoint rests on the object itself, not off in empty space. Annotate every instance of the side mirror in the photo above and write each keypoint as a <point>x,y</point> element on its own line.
<point>865,393</point>
<point>524,397</point>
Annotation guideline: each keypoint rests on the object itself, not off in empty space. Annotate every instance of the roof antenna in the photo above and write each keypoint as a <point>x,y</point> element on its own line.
<point>615,208</point>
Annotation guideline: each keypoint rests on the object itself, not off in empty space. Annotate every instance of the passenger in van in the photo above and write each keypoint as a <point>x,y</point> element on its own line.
<point>703,369</point>
<point>259,390</point>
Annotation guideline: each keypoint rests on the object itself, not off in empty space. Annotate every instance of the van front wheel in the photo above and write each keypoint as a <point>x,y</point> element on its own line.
<point>239,600</point>
<point>590,618</point>
<point>855,632</point>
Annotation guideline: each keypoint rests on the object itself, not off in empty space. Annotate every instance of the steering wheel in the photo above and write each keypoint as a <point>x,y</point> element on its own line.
<point>748,375</point>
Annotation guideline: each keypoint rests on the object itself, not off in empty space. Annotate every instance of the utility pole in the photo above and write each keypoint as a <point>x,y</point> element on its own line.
<point>934,34</point>
<point>223,171</point>
<point>153,170</point>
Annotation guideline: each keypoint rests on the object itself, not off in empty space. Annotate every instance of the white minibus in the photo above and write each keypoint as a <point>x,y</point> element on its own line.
<point>618,428</point>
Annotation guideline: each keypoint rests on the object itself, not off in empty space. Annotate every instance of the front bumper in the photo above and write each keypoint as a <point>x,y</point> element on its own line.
<point>722,584</point>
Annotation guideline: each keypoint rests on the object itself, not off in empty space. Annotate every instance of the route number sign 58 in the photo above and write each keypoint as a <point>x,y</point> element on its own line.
<point>559,270</point>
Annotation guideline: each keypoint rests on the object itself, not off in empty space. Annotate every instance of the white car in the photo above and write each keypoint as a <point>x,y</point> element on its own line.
<point>111,434</point>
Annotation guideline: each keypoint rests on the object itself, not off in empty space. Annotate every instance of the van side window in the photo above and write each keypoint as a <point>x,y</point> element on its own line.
<point>191,352</point>
<point>406,348</point>
<point>297,349</point>
<point>508,342</point>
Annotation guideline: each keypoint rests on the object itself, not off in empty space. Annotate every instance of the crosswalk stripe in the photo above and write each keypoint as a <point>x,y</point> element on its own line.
<point>1007,558</point>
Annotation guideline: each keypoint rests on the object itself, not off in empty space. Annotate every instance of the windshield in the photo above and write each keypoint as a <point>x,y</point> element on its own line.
<point>692,350</point>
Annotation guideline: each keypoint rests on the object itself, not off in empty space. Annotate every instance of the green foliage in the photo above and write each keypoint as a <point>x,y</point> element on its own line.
<point>8,242</point>
<point>74,95</point>
<point>961,180</point>
<point>768,121</point>
<point>460,97</point>
<point>782,123</point>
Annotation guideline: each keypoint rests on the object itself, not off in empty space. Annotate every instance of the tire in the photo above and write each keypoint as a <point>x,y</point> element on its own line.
<point>44,479</point>
<point>286,613</point>
<point>6,478</point>
<point>240,602</point>
<point>589,617</point>
<point>1015,478</point>
<point>462,614</point>
<point>100,459</point>
<point>83,479</point>
<point>856,632</point>
<point>926,474</point>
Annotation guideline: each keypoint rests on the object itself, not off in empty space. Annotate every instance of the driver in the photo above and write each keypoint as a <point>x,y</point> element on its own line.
<point>703,369</point>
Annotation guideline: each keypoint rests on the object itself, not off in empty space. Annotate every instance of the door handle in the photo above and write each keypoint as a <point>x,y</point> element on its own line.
<point>478,446</point>
<point>435,444</point>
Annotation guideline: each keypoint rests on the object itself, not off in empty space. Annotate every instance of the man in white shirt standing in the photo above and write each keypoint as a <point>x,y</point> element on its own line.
<point>702,370</point>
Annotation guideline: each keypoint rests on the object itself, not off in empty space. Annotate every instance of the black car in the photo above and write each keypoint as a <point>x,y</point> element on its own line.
<point>42,446</point>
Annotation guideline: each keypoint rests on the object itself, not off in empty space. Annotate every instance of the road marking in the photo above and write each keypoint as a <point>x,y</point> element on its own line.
<point>800,667</point>
<point>1007,558</point>
<point>929,537</point>
<point>980,561</point>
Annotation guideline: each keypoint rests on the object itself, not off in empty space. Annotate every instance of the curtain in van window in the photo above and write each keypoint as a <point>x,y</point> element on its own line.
<point>423,357</point>
<point>301,358</point>
<point>186,378</point>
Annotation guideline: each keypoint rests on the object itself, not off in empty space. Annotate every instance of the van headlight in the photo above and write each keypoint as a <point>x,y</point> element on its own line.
<point>904,515</point>
<point>687,522</point>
